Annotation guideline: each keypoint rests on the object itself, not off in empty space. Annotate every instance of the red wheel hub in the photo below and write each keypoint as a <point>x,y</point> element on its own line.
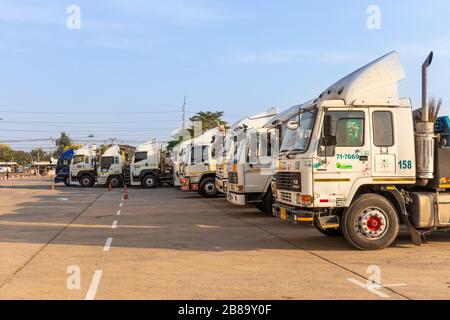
<point>374,223</point>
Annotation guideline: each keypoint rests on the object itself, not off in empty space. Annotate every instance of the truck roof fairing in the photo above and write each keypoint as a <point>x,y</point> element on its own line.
<point>256,120</point>
<point>87,150</point>
<point>376,81</point>
<point>113,151</point>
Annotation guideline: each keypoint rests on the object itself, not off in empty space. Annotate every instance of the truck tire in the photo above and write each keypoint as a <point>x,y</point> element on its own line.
<point>86,181</point>
<point>268,201</point>
<point>115,181</point>
<point>370,223</point>
<point>67,181</point>
<point>149,181</point>
<point>208,187</point>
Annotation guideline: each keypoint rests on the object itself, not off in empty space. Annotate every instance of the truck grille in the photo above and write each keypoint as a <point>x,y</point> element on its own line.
<point>233,177</point>
<point>290,181</point>
<point>285,196</point>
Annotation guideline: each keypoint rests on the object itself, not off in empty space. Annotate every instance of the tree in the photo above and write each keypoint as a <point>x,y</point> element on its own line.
<point>39,154</point>
<point>6,153</point>
<point>63,143</point>
<point>208,119</point>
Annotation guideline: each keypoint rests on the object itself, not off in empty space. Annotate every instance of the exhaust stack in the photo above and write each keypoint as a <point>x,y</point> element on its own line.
<point>425,105</point>
<point>425,133</point>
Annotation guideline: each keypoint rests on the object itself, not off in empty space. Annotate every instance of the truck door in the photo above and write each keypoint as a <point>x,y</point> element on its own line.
<point>348,161</point>
<point>391,158</point>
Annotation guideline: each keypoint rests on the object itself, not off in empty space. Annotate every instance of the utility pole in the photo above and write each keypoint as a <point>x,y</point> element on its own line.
<point>38,160</point>
<point>91,136</point>
<point>183,110</point>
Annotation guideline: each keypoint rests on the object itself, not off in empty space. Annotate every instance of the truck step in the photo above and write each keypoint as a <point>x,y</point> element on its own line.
<point>328,222</point>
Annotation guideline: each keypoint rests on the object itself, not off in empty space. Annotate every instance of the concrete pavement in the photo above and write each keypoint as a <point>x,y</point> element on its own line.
<point>166,244</point>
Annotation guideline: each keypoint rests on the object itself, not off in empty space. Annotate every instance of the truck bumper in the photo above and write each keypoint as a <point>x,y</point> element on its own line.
<point>186,185</point>
<point>102,180</point>
<point>292,214</point>
<point>60,178</point>
<point>221,185</point>
<point>236,198</point>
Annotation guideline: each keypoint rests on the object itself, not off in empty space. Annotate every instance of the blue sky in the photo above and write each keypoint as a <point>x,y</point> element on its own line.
<point>124,73</point>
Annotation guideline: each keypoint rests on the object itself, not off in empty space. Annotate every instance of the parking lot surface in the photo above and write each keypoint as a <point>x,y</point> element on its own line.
<point>90,243</point>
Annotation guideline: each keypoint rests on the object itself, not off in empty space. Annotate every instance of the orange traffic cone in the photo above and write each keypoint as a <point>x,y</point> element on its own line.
<point>110,187</point>
<point>125,193</point>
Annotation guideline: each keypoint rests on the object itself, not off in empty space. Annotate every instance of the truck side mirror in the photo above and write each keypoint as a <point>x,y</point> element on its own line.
<point>328,140</point>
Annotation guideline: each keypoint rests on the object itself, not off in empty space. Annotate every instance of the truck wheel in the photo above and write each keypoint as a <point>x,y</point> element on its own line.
<point>370,223</point>
<point>115,182</point>
<point>67,181</point>
<point>149,181</point>
<point>86,181</point>
<point>268,202</point>
<point>208,188</point>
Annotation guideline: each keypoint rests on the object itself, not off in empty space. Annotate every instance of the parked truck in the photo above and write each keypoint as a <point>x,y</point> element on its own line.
<point>150,166</point>
<point>111,167</point>
<point>62,170</point>
<point>250,166</point>
<point>253,175</point>
<point>83,166</point>
<point>198,169</point>
<point>179,158</point>
<point>227,148</point>
<point>357,161</point>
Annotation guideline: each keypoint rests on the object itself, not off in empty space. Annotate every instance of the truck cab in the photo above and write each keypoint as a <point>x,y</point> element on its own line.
<point>199,168</point>
<point>62,170</point>
<point>179,159</point>
<point>227,147</point>
<point>111,166</point>
<point>83,166</point>
<point>250,163</point>
<point>148,167</point>
<point>357,162</point>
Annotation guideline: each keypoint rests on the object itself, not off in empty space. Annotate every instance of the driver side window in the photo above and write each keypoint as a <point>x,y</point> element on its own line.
<point>348,127</point>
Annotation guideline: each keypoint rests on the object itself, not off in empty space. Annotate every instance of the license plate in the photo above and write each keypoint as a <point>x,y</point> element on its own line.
<point>283,214</point>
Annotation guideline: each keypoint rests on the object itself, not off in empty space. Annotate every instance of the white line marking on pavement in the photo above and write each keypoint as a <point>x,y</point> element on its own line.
<point>118,212</point>
<point>371,288</point>
<point>121,204</point>
<point>63,199</point>
<point>114,224</point>
<point>90,295</point>
<point>108,244</point>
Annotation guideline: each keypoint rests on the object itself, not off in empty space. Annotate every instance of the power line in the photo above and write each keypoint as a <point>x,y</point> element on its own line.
<point>90,112</point>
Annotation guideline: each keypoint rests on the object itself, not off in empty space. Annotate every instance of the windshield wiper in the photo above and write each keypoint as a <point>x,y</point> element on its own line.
<point>292,152</point>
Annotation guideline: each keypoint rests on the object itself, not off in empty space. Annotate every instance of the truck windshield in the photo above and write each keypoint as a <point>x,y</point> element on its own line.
<point>298,140</point>
<point>106,162</point>
<point>139,156</point>
<point>78,159</point>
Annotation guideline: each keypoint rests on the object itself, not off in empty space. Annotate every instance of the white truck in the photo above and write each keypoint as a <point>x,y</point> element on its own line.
<point>82,168</point>
<point>357,161</point>
<point>251,175</point>
<point>199,167</point>
<point>149,166</point>
<point>111,167</point>
<point>228,146</point>
<point>249,165</point>
<point>179,158</point>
